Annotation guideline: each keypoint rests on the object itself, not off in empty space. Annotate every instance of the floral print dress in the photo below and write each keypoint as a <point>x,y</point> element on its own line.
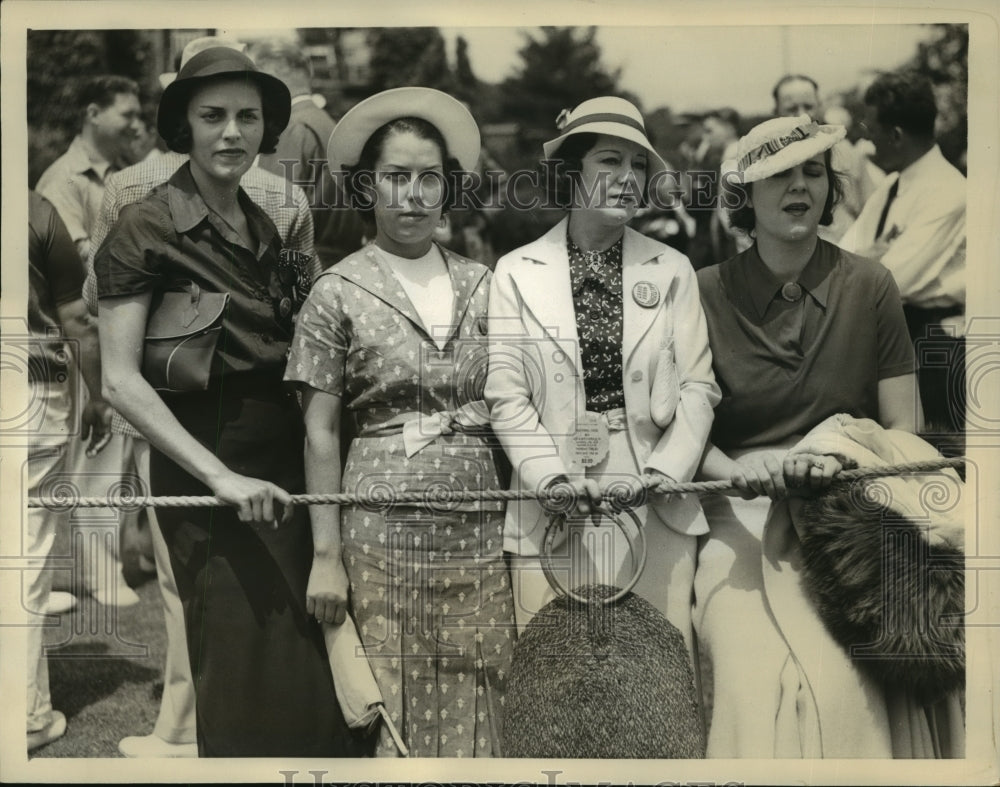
<point>430,590</point>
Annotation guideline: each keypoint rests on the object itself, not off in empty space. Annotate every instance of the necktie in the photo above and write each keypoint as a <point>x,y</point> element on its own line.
<point>885,211</point>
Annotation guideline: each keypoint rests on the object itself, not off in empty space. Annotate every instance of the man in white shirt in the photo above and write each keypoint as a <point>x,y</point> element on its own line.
<point>914,224</point>
<point>798,94</point>
<point>74,183</point>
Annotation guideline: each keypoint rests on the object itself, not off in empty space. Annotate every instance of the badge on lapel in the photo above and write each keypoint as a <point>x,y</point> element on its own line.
<point>646,294</point>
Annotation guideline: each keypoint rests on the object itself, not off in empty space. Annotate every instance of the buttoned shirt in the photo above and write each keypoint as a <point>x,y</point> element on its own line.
<point>924,229</point>
<point>283,202</point>
<point>171,237</point>
<point>74,184</point>
<point>786,365</point>
<point>597,300</point>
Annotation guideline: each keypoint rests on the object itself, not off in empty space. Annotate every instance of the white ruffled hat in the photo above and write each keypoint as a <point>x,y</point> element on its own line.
<point>609,115</point>
<point>447,114</point>
<point>779,144</point>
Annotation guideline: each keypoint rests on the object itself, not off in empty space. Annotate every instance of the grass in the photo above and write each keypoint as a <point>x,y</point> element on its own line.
<point>106,672</point>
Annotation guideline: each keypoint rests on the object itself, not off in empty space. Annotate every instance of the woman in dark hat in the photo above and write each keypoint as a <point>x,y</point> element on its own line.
<point>198,264</point>
<point>394,338</point>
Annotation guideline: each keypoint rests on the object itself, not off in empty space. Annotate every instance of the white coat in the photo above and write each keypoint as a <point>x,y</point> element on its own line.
<point>535,388</point>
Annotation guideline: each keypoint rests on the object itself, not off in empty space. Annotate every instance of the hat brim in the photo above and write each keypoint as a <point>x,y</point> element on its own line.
<point>794,154</point>
<point>275,98</point>
<point>611,129</point>
<point>448,115</point>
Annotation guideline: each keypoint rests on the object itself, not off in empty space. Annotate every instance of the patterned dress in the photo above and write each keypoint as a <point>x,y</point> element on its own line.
<point>430,590</point>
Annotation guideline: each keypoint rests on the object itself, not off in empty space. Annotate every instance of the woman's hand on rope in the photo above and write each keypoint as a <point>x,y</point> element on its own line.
<point>812,472</point>
<point>759,474</point>
<point>576,497</point>
<point>255,500</point>
<point>326,593</point>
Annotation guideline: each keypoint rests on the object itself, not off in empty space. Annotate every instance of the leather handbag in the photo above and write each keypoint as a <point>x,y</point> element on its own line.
<point>181,334</point>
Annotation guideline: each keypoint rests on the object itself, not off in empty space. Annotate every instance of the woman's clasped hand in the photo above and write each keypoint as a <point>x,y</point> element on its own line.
<point>776,476</point>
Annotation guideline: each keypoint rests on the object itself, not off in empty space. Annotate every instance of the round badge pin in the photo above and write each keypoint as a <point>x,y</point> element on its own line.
<point>791,291</point>
<point>645,294</point>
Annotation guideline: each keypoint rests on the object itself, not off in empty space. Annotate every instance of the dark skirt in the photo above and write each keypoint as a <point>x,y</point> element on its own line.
<point>262,678</point>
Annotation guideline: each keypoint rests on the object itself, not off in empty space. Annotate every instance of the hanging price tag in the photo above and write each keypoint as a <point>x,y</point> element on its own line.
<point>589,443</point>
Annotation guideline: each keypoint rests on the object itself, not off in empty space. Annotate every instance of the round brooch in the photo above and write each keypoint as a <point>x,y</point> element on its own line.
<point>791,291</point>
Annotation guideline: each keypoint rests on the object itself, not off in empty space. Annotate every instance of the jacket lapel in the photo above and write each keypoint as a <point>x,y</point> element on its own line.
<point>543,282</point>
<point>640,264</point>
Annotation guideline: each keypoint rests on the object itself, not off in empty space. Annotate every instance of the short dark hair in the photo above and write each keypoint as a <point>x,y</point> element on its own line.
<point>102,90</point>
<point>564,168</point>
<point>743,217</point>
<point>904,99</point>
<point>792,78</point>
<point>179,139</point>
<point>726,115</point>
<point>358,183</point>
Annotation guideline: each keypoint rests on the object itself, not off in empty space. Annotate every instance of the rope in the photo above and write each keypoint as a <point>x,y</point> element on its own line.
<point>385,497</point>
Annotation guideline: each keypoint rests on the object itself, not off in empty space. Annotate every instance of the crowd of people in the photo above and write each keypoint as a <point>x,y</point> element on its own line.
<point>238,337</point>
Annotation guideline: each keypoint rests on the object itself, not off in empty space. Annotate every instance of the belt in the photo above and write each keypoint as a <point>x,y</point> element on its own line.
<point>615,419</point>
<point>421,429</point>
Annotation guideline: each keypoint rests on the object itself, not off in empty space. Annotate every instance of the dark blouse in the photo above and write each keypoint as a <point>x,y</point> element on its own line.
<point>597,301</point>
<point>785,365</point>
<point>171,236</point>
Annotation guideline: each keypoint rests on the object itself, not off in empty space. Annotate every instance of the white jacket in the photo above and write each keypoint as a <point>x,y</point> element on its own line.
<point>535,386</point>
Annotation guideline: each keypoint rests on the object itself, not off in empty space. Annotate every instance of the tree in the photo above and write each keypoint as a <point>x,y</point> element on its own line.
<point>466,83</point>
<point>409,56</point>
<point>944,59</point>
<point>561,68</point>
<point>58,62</point>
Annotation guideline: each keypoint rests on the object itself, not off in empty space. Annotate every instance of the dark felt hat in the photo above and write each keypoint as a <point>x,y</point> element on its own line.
<point>221,61</point>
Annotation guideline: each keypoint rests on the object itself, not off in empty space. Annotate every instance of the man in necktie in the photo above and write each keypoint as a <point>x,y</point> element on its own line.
<point>914,223</point>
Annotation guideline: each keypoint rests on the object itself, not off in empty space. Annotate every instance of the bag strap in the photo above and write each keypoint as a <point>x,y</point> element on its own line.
<point>637,548</point>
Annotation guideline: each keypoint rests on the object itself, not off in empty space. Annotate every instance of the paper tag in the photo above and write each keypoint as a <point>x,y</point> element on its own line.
<point>589,444</point>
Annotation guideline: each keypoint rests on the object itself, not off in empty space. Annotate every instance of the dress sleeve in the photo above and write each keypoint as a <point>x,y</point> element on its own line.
<point>895,349</point>
<point>130,259</point>
<point>318,352</point>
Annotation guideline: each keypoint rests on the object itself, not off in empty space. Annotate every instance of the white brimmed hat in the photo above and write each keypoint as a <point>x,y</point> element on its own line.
<point>447,114</point>
<point>609,115</point>
<point>779,144</point>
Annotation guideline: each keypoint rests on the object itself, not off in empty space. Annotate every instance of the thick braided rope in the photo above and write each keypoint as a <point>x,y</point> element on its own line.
<point>443,497</point>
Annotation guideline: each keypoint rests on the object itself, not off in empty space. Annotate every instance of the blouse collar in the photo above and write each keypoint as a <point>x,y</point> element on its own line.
<point>763,286</point>
<point>188,209</point>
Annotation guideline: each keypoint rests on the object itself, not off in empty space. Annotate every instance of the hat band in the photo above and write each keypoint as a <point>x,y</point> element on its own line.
<point>772,146</point>
<point>603,117</point>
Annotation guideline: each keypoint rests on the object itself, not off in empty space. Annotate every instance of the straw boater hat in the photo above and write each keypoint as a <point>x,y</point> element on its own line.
<point>609,115</point>
<point>446,114</point>
<point>221,61</point>
<point>779,144</point>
